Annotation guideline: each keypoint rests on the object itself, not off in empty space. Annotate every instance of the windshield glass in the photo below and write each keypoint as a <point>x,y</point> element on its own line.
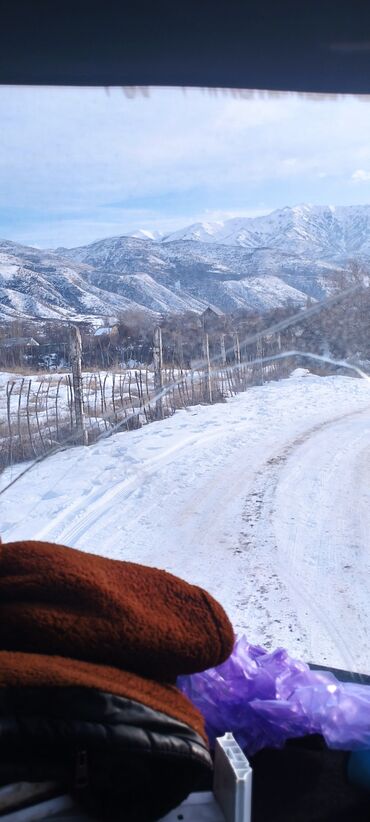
<point>185,349</point>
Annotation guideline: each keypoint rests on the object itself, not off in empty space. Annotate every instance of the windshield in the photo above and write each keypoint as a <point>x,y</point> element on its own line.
<point>185,349</point>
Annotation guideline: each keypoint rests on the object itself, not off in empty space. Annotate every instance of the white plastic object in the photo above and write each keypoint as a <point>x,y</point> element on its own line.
<point>232,790</point>
<point>232,785</point>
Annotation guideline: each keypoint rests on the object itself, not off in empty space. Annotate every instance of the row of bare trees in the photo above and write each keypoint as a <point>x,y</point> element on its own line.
<point>128,341</point>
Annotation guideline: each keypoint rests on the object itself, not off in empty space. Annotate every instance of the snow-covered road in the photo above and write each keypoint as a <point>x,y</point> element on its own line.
<point>324,538</point>
<point>264,500</point>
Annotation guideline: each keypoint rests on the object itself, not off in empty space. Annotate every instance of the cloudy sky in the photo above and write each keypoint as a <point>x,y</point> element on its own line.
<point>81,164</point>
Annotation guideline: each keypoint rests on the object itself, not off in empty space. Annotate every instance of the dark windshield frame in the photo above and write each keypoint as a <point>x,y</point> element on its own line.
<point>321,47</point>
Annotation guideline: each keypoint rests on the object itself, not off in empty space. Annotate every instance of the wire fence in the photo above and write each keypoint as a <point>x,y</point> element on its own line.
<point>39,413</point>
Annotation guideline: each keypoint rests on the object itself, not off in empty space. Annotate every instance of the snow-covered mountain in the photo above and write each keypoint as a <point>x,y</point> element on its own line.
<point>304,229</point>
<point>229,276</point>
<point>146,234</point>
<point>36,283</point>
<point>257,263</point>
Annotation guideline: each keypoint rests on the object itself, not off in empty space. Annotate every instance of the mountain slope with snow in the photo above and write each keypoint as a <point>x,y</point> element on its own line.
<point>35,283</point>
<point>305,229</point>
<point>254,263</point>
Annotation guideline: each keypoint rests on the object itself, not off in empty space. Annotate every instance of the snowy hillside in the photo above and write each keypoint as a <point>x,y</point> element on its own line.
<point>112,276</point>
<point>254,263</point>
<point>262,500</point>
<point>36,283</point>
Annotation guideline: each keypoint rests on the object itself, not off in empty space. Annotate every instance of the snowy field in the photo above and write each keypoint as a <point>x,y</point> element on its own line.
<point>263,500</point>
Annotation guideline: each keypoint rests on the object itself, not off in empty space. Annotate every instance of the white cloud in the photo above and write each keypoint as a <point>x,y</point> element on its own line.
<point>73,145</point>
<point>70,154</point>
<point>361,176</point>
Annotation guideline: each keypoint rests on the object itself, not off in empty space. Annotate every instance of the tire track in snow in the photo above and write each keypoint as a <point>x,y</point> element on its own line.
<point>259,515</point>
<point>328,563</point>
<point>82,515</point>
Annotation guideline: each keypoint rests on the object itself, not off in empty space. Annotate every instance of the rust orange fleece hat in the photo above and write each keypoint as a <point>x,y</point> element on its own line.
<point>72,618</point>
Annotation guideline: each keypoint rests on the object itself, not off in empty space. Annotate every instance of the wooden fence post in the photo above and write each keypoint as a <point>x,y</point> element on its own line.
<point>21,446</point>
<point>9,389</point>
<point>260,356</point>
<point>28,417</point>
<point>236,348</point>
<point>56,408</point>
<point>222,349</point>
<point>180,350</point>
<point>158,376</point>
<point>76,359</point>
<point>208,362</point>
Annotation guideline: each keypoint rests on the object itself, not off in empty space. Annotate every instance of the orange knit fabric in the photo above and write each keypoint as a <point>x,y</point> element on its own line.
<point>73,618</point>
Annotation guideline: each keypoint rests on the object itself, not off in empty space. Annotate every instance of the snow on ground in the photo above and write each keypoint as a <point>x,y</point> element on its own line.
<point>263,500</point>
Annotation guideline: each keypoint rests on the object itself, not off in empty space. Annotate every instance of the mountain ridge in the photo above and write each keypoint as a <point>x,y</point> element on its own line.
<point>283,258</point>
<point>332,228</point>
